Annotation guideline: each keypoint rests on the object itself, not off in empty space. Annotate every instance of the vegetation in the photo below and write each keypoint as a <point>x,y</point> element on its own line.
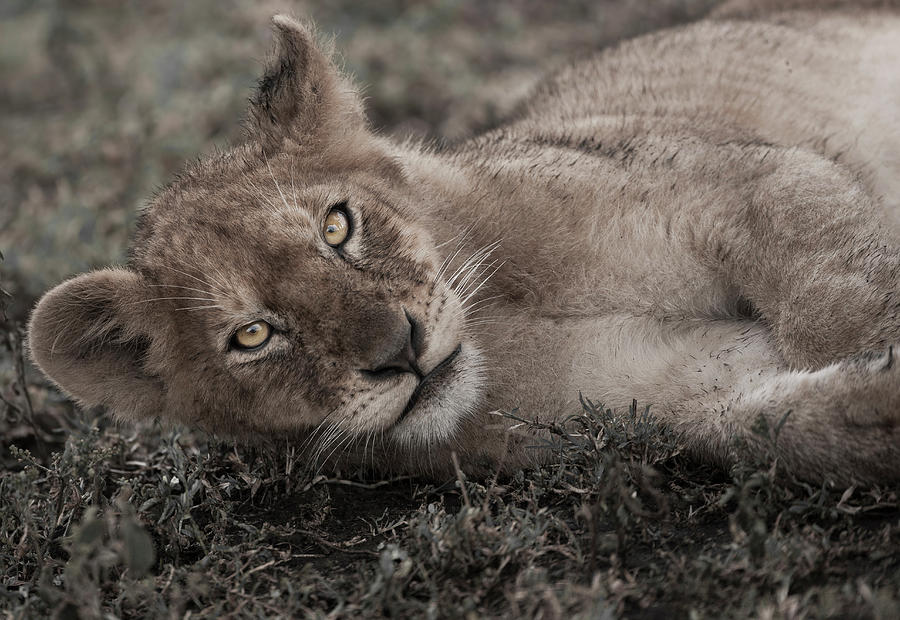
<point>100,103</point>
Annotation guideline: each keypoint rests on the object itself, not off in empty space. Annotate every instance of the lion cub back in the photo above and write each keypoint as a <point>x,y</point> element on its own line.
<point>826,81</point>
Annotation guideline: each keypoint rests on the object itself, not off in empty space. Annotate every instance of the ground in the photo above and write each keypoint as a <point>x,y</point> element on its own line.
<point>101,102</point>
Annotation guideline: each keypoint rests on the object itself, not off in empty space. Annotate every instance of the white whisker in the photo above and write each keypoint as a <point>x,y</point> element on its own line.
<point>339,445</point>
<point>262,196</point>
<point>335,441</point>
<point>472,278</point>
<point>471,263</point>
<point>481,304</point>
<point>214,288</point>
<point>483,282</point>
<point>278,187</point>
<point>199,307</point>
<point>452,256</point>
<point>331,433</point>
<point>147,301</point>
<point>186,288</point>
<point>294,189</point>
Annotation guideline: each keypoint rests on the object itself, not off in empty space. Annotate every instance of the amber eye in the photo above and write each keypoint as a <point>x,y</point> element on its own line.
<point>252,335</point>
<point>336,228</point>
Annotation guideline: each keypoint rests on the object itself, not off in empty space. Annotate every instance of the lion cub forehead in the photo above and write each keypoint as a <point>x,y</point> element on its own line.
<point>257,223</point>
<point>238,207</point>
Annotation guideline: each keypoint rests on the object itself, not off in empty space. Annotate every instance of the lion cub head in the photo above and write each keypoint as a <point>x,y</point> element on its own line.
<point>285,285</point>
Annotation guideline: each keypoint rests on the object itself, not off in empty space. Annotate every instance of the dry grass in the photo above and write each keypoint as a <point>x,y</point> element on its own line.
<point>101,102</point>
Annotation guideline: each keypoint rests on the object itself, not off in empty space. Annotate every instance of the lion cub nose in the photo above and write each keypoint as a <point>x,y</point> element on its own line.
<point>402,351</point>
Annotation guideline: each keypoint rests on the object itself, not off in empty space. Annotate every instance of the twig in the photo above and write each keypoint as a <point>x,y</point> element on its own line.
<point>327,544</point>
<point>20,376</point>
<point>461,479</point>
<point>363,485</point>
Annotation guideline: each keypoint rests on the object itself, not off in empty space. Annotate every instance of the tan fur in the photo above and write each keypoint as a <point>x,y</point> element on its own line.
<point>705,219</point>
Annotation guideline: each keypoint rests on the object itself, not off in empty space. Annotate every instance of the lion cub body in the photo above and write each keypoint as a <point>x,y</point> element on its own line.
<point>704,219</point>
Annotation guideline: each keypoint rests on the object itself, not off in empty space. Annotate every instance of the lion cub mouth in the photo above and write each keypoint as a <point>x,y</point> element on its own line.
<point>428,383</point>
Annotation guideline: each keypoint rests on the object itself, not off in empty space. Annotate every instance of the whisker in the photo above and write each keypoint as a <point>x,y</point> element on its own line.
<point>262,196</point>
<point>482,323</point>
<point>209,284</point>
<point>481,304</point>
<point>187,288</point>
<point>483,282</point>
<point>472,277</point>
<point>366,448</point>
<point>278,187</point>
<point>310,437</point>
<point>189,308</point>
<point>463,279</point>
<point>147,301</point>
<point>337,436</point>
<point>339,445</point>
<point>293,189</point>
<point>318,429</point>
<point>450,240</point>
<point>219,278</point>
<point>472,320</point>
<point>462,268</point>
<point>477,257</point>
<point>462,236</point>
<point>332,431</point>
<point>451,257</point>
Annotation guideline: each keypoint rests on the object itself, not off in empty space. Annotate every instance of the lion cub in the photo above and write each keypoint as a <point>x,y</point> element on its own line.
<point>704,219</point>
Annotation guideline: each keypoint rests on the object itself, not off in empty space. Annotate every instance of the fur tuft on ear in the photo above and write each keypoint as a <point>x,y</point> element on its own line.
<point>302,96</point>
<point>89,337</point>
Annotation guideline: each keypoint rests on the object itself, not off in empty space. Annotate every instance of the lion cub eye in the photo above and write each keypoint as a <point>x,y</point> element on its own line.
<point>336,228</point>
<point>252,335</point>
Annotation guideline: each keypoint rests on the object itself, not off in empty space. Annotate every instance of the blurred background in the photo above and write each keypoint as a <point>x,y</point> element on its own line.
<point>102,101</point>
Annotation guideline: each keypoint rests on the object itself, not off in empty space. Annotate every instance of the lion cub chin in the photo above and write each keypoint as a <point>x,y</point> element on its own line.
<point>696,219</point>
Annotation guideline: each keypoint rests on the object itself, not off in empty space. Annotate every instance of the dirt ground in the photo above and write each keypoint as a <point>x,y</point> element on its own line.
<point>100,103</point>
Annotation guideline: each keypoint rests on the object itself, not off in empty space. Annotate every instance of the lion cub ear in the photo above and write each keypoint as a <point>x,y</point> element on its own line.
<point>302,96</point>
<point>90,337</point>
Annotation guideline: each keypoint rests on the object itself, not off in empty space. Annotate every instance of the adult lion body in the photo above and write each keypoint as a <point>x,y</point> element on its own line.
<point>705,219</point>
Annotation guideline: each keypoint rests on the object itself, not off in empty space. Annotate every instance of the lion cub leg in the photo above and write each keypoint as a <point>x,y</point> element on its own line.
<point>840,423</point>
<point>814,253</point>
<point>724,387</point>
